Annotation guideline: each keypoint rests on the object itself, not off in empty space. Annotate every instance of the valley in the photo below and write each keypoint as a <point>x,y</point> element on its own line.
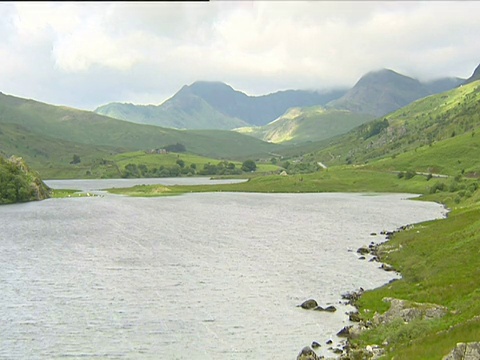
<point>401,151</point>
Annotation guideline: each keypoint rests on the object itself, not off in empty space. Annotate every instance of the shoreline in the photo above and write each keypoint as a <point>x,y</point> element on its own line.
<point>357,325</point>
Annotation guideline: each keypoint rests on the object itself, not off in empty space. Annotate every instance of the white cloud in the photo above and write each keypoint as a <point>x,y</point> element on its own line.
<point>111,51</point>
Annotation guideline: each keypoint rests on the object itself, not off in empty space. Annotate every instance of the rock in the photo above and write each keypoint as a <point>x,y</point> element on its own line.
<point>315,344</point>
<point>464,351</point>
<point>375,351</point>
<point>352,296</point>
<point>354,316</point>
<point>408,311</point>
<point>387,267</point>
<point>361,258</point>
<point>344,332</point>
<point>309,304</point>
<point>337,351</point>
<point>330,308</point>
<point>363,250</point>
<point>307,354</point>
<point>329,342</point>
<point>355,330</point>
<point>373,234</point>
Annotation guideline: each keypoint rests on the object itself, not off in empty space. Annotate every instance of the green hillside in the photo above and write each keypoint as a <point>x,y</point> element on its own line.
<point>49,136</point>
<point>307,124</point>
<point>18,183</point>
<point>436,134</point>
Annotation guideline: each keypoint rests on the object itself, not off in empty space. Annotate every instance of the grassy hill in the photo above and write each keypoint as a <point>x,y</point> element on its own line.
<point>438,127</point>
<point>48,137</point>
<point>299,125</point>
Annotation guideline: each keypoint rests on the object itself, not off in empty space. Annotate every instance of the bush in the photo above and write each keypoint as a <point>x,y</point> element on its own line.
<point>249,165</point>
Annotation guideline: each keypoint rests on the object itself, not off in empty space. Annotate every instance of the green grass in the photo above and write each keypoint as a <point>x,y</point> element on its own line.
<point>48,136</point>
<point>170,159</point>
<point>440,263</point>
<point>444,121</point>
<point>331,180</point>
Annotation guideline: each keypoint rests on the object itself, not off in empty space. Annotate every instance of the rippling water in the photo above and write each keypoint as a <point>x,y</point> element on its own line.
<point>199,276</point>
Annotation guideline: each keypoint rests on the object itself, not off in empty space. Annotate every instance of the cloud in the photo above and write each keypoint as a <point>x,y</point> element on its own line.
<point>86,54</point>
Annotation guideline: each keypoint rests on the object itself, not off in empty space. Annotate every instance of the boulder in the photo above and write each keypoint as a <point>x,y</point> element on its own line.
<point>309,304</point>
<point>363,250</point>
<point>464,351</point>
<point>315,344</point>
<point>387,267</point>
<point>344,332</point>
<point>408,311</point>
<point>330,308</point>
<point>354,316</point>
<point>307,354</point>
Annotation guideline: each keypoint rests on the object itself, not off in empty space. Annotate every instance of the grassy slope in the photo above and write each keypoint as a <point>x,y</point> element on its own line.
<point>423,123</point>
<point>439,262</point>
<point>307,124</point>
<point>48,137</point>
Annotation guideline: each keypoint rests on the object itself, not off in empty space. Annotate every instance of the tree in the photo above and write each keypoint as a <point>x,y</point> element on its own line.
<point>176,148</point>
<point>76,159</point>
<point>181,163</point>
<point>249,165</point>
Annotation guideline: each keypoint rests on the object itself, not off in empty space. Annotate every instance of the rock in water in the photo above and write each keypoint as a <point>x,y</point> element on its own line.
<point>309,304</point>
<point>307,354</point>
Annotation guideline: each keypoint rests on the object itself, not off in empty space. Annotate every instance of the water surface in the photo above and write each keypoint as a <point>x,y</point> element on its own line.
<point>198,276</point>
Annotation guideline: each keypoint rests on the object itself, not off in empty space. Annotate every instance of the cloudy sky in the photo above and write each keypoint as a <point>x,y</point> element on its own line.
<point>86,54</point>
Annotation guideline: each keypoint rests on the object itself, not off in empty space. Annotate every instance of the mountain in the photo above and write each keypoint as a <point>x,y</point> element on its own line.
<point>258,110</point>
<point>433,134</point>
<point>380,92</point>
<point>185,110</point>
<point>48,136</point>
<point>215,105</point>
<point>475,76</point>
<point>444,84</point>
<point>307,124</point>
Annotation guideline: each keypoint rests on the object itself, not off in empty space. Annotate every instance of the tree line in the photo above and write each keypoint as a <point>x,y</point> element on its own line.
<point>181,169</point>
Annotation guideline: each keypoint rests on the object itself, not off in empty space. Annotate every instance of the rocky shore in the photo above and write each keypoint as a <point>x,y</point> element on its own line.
<point>399,309</point>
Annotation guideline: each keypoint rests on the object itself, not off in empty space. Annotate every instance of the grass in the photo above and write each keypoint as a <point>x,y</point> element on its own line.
<point>440,263</point>
<point>170,159</point>
<point>48,136</point>
<point>331,180</point>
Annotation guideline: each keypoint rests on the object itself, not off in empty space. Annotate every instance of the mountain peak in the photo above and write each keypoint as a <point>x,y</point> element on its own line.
<point>475,76</point>
<point>381,92</point>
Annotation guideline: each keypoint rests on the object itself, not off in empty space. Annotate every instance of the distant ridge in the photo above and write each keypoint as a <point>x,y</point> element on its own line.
<point>381,92</point>
<point>216,105</point>
<point>475,76</point>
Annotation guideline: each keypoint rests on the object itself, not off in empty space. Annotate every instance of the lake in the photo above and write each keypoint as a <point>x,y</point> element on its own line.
<point>198,276</point>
